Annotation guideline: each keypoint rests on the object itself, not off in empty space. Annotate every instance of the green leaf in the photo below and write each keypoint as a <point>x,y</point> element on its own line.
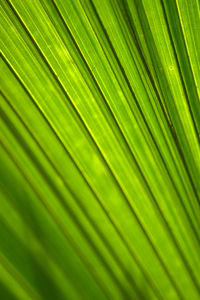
<point>100,149</point>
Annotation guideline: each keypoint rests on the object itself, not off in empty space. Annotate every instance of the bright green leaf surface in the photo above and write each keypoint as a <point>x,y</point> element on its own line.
<point>100,150</point>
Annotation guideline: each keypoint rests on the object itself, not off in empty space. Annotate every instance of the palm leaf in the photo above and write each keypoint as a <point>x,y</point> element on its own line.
<point>100,150</point>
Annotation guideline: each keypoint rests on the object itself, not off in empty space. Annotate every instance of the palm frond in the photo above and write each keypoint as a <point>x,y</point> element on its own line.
<point>100,149</point>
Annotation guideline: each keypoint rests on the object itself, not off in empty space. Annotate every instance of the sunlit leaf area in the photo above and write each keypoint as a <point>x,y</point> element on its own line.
<point>100,150</point>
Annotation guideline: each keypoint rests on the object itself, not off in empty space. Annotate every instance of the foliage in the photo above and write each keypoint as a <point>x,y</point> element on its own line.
<point>100,149</point>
